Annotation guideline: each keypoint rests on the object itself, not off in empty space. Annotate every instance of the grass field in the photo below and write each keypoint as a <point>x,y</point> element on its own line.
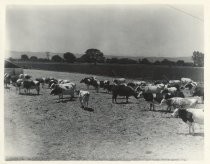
<point>38,128</point>
<point>137,71</point>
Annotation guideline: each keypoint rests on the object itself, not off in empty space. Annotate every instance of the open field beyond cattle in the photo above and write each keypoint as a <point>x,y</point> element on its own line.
<point>137,71</point>
<point>39,128</point>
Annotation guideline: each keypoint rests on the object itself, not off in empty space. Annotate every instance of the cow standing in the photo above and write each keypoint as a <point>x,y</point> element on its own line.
<point>7,79</point>
<point>31,84</point>
<point>179,102</point>
<point>83,98</point>
<point>123,90</point>
<point>190,116</point>
<point>64,89</point>
<point>91,81</point>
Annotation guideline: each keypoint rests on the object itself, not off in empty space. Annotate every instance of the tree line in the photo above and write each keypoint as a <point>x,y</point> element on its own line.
<point>96,56</point>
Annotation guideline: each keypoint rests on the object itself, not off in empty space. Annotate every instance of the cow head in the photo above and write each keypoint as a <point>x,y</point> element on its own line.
<point>83,81</point>
<point>56,90</point>
<point>77,92</point>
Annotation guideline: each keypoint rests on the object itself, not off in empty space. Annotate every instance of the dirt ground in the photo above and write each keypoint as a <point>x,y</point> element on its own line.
<point>39,128</point>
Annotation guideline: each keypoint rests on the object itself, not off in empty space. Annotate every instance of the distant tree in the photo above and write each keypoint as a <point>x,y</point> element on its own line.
<point>167,62</point>
<point>180,63</point>
<point>24,57</point>
<point>33,58</point>
<point>189,64</point>
<point>126,61</point>
<point>145,61</point>
<point>56,58</point>
<point>48,55</point>
<point>112,60</point>
<point>43,60</point>
<point>93,56</point>
<point>157,62</point>
<point>198,59</point>
<point>69,57</point>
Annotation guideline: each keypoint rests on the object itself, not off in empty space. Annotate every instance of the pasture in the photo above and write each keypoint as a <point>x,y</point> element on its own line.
<point>38,128</point>
<point>137,71</point>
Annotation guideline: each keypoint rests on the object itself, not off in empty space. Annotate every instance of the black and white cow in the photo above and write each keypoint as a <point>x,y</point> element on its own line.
<point>91,81</point>
<point>190,116</point>
<point>63,89</point>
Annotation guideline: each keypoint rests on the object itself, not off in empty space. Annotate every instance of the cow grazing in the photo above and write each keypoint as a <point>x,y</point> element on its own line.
<point>173,82</point>
<point>177,86</point>
<point>14,79</point>
<point>119,81</point>
<point>41,81</point>
<point>136,84</point>
<point>199,91</point>
<point>83,98</point>
<point>7,79</point>
<point>161,82</point>
<point>31,84</point>
<point>123,90</point>
<point>61,81</point>
<point>109,87</point>
<point>179,102</point>
<point>51,82</point>
<point>190,116</point>
<point>168,95</point>
<point>152,98</point>
<point>24,76</point>
<point>152,89</point>
<point>185,80</point>
<point>63,89</point>
<point>103,83</point>
<point>91,81</point>
<point>170,90</point>
<point>190,86</point>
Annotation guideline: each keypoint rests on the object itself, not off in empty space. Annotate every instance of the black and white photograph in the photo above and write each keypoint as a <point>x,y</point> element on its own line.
<point>104,82</point>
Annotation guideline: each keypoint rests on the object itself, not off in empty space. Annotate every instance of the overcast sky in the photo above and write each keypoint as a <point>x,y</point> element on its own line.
<point>126,30</point>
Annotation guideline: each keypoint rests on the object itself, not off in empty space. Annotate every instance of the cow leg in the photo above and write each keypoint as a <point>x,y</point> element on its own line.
<point>193,128</point>
<point>190,126</point>
<point>83,104</point>
<point>189,129</point>
<point>153,106</point>
<point>59,97</point>
<point>80,100</point>
<point>126,99</point>
<point>112,99</point>
<point>38,91</point>
<point>150,107</point>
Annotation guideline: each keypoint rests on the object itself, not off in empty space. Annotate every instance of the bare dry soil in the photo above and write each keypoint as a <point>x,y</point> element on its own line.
<point>39,128</point>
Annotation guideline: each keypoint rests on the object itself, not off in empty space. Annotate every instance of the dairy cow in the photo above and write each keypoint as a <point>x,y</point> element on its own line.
<point>190,116</point>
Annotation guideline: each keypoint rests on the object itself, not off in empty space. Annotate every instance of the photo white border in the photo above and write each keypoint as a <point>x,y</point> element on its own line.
<point>205,3</point>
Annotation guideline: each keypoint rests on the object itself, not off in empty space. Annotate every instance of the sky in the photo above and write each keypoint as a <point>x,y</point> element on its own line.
<point>124,30</point>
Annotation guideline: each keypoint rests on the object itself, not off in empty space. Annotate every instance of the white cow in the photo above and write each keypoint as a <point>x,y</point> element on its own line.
<point>185,80</point>
<point>178,102</point>
<point>171,89</point>
<point>119,81</point>
<point>62,81</point>
<point>174,82</point>
<point>83,98</point>
<point>152,89</point>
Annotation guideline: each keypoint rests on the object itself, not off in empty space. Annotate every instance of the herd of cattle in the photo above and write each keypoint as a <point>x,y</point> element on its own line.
<point>168,92</point>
